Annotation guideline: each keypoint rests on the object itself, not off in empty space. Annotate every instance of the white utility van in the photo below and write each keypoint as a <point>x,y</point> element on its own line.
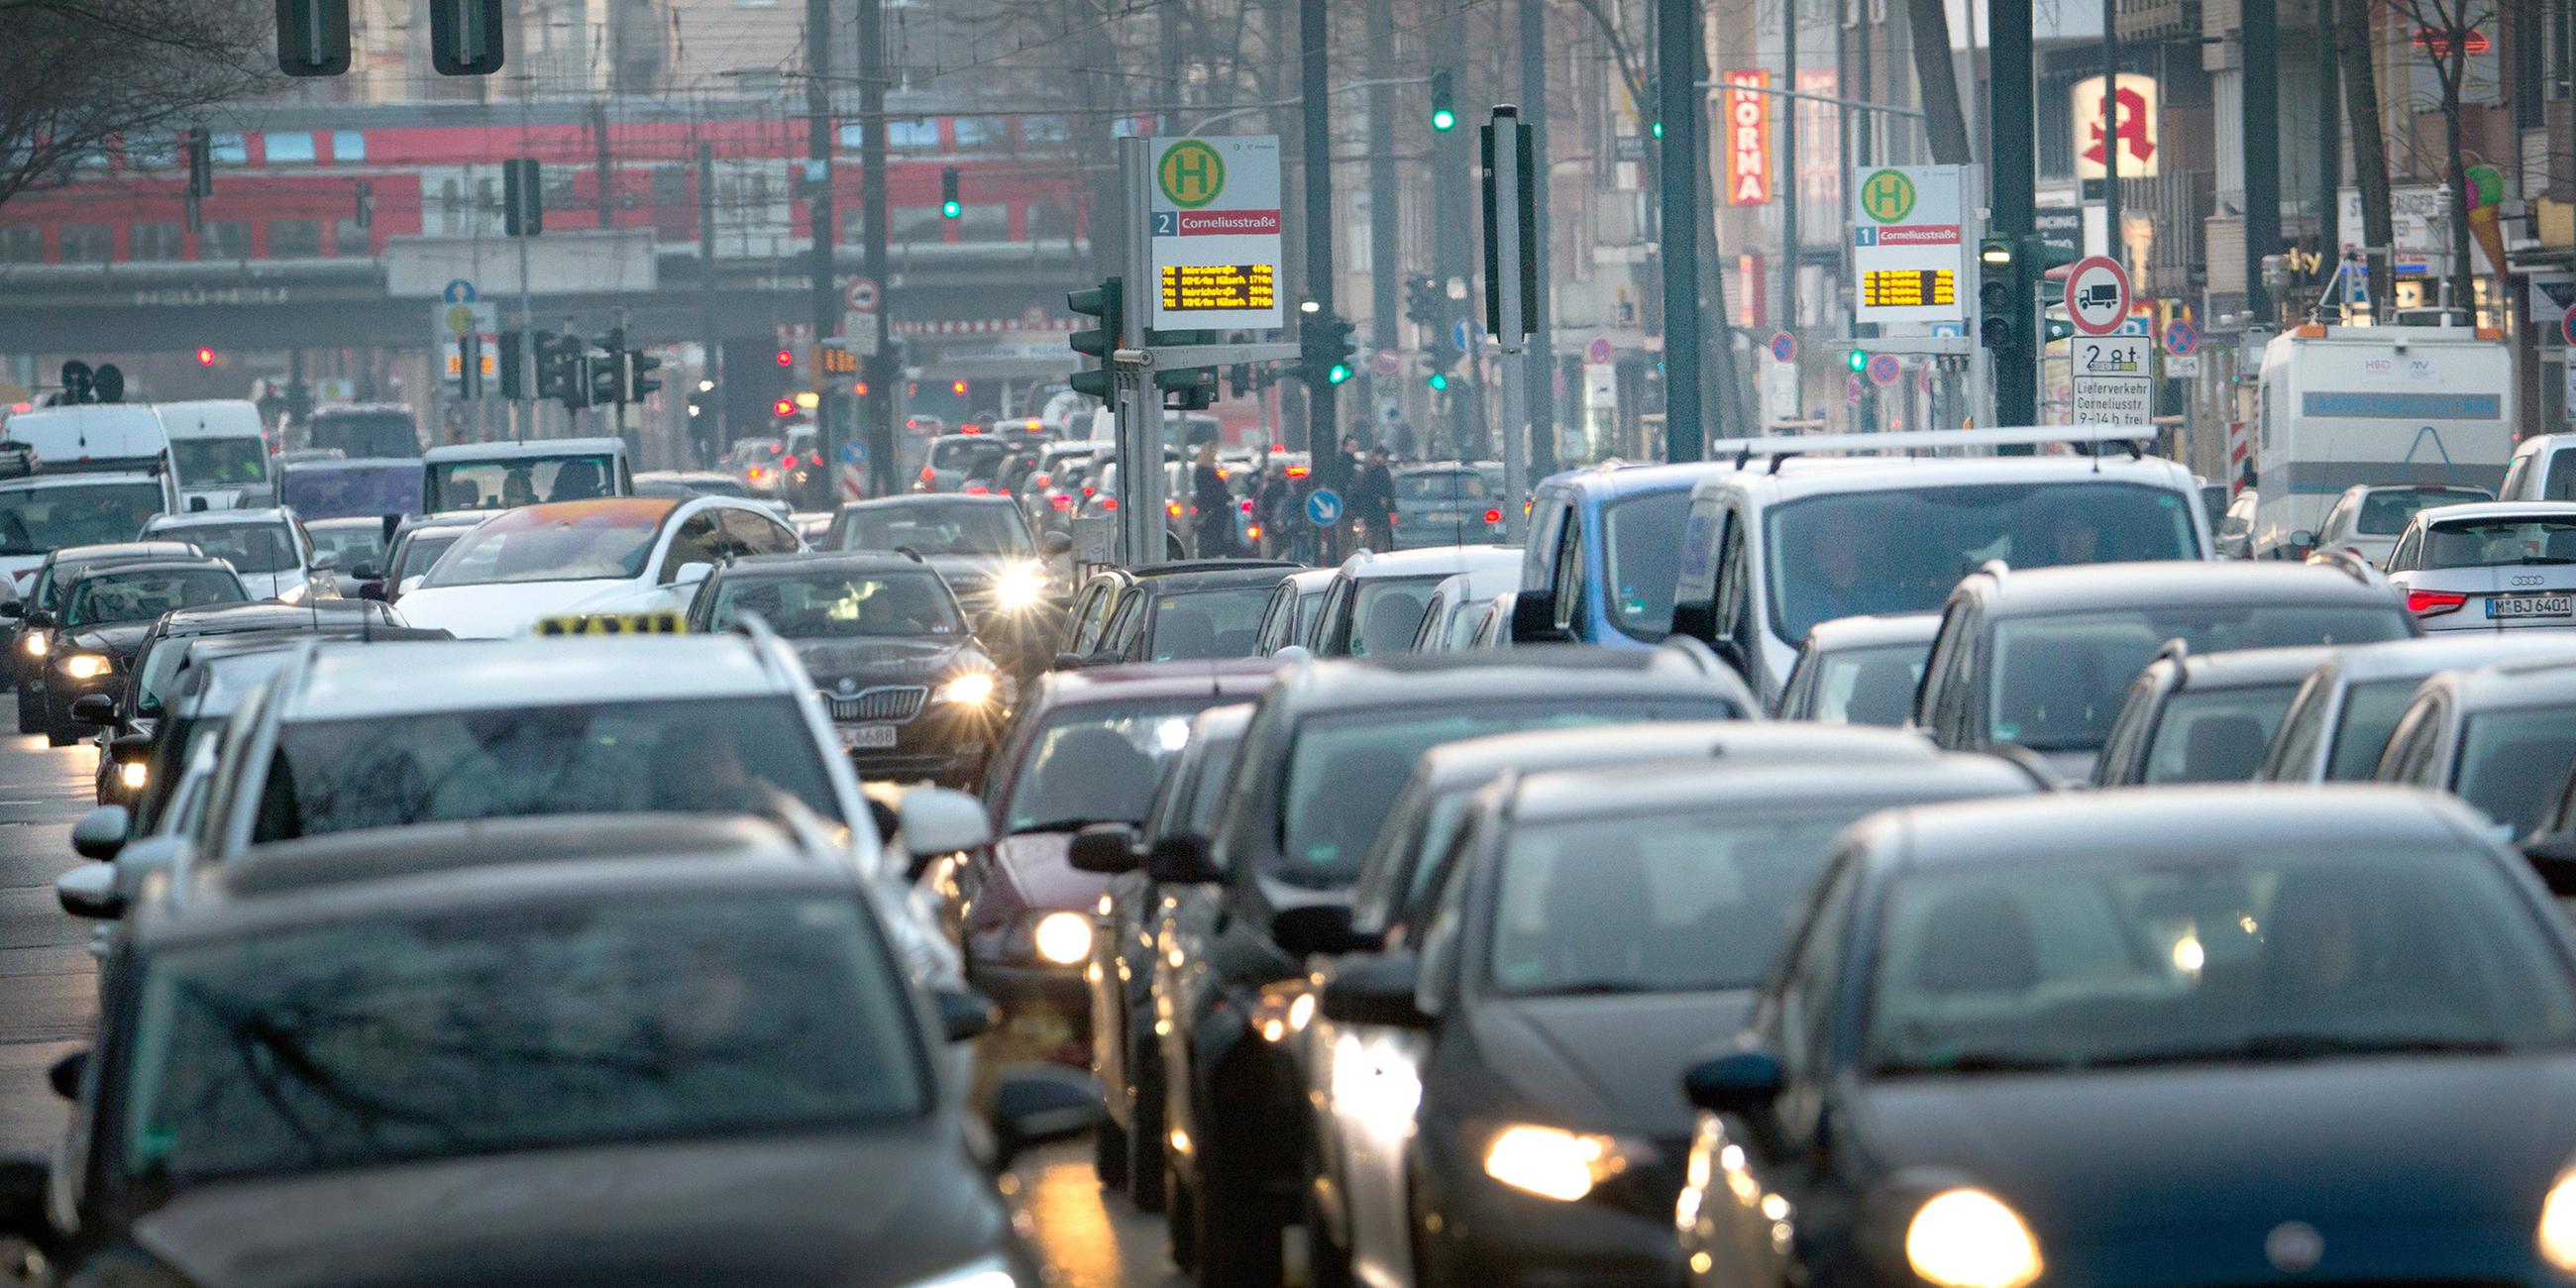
<point>100,471</point>
<point>2346,405</point>
<point>219,450</point>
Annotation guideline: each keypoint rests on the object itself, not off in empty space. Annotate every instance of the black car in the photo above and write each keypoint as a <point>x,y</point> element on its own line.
<point>982,545</point>
<point>2187,1035</point>
<point>1326,751</point>
<point>702,1065</point>
<point>911,692</point>
<point>1171,612</point>
<point>32,617</point>
<point>1591,932</point>
<point>417,543</point>
<point>2203,718</point>
<point>106,613</point>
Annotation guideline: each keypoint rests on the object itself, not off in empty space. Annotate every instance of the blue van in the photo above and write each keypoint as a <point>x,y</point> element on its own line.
<point>1603,552</point>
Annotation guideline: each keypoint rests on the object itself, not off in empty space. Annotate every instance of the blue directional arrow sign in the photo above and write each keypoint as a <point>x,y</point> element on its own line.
<point>1323,506</point>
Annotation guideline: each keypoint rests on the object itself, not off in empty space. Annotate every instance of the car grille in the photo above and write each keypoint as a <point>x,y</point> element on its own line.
<point>892,702</point>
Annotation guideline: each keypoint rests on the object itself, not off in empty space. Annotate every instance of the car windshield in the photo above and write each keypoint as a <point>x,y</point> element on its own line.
<point>2370,714</point>
<point>1868,686</point>
<point>520,480</point>
<point>973,455</point>
<point>35,520</point>
<point>1345,769</point>
<point>2291,951</point>
<point>969,528</point>
<point>1429,487</point>
<point>356,546</point>
<point>2513,764</point>
<point>423,549</point>
<point>1387,611</point>
<point>1641,550</point>
<point>358,435</point>
<point>2216,735</point>
<point>496,1030</point>
<point>350,491</point>
<point>1209,623</point>
<point>1204,804</point>
<point>1855,554</point>
<point>2482,543</point>
<point>219,462</point>
<point>1655,903</point>
<point>248,547</point>
<point>698,756</point>
<point>2385,511</point>
<point>599,542</point>
<point>106,597</point>
<point>1099,762</point>
<point>839,605</point>
<point>2059,678</point>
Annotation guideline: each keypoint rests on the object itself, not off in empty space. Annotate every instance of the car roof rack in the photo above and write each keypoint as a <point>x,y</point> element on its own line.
<point>1928,440</point>
<point>1997,569</point>
<point>2351,565</point>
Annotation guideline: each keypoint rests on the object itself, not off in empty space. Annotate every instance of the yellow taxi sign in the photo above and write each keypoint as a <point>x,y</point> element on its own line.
<point>662,622</point>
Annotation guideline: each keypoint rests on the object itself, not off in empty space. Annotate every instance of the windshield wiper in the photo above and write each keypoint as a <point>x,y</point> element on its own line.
<point>1594,988</point>
<point>1065,825</point>
<point>1970,1062</point>
<point>2264,1048</point>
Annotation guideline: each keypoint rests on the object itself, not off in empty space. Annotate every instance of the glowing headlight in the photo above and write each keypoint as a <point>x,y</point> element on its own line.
<point>86,666</point>
<point>1552,1162</point>
<point>2558,1223</point>
<point>1967,1238</point>
<point>1063,937</point>
<point>36,644</point>
<point>974,689</point>
<point>1282,1008</point>
<point>133,773</point>
<point>987,1273</point>
<point>1019,587</point>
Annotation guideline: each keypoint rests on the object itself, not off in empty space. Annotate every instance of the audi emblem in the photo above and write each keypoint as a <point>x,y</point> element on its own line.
<point>2533,579</point>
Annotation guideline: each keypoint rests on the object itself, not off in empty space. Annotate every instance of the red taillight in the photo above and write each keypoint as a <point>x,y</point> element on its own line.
<point>1253,532</point>
<point>1493,516</point>
<point>929,475</point>
<point>1298,471</point>
<point>2434,603</point>
<point>977,489</point>
<point>1041,480</point>
<point>970,429</point>
<point>1246,506</point>
<point>1086,489</point>
<point>775,449</point>
<point>1109,503</point>
<point>1172,508</point>
<point>1061,502</point>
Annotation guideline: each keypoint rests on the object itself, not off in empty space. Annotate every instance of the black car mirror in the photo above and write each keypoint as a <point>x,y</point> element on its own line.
<point>2554,859</point>
<point>14,608</point>
<point>1318,929</point>
<point>100,833</point>
<point>94,709</point>
<point>1182,859</point>
<point>130,742</point>
<point>65,1074</point>
<point>374,590</point>
<point>1739,1082</point>
<point>92,892</point>
<point>1069,661</point>
<point>1059,542</point>
<point>1106,849</point>
<point>1375,990</point>
<point>23,1183</point>
<point>1534,620</point>
<point>1040,1104</point>
<point>963,1013</point>
<point>366,572</point>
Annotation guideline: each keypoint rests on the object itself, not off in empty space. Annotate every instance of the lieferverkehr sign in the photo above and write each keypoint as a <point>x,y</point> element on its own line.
<point>1215,233</point>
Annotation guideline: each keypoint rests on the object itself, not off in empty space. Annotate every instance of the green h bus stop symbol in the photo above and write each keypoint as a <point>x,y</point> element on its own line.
<point>1191,174</point>
<point>1887,196</point>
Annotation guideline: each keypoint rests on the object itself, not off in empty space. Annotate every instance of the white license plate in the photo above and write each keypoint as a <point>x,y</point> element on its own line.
<point>1441,516</point>
<point>866,737</point>
<point>2516,606</point>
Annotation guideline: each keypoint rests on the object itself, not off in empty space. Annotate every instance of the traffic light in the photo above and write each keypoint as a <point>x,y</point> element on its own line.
<point>469,365</point>
<point>201,162</point>
<point>205,356</point>
<point>464,37</point>
<point>1438,380</point>
<point>313,38</point>
<point>639,368</point>
<point>523,198</point>
<point>2003,296</point>
<point>949,206</point>
<point>1238,379</point>
<point>1444,112</point>
<point>1858,361</point>
<point>514,379</point>
<point>1422,300</point>
<point>1107,303</point>
<point>1325,348</point>
<point>2055,329</point>
<point>603,376</point>
<point>559,368</point>
<point>783,408</point>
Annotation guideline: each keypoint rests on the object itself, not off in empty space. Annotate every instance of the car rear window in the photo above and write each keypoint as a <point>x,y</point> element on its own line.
<point>2487,543</point>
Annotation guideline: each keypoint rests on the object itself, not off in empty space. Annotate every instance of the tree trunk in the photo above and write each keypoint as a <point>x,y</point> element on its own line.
<point>1938,80</point>
<point>2464,273</point>
<point>2369,146</point>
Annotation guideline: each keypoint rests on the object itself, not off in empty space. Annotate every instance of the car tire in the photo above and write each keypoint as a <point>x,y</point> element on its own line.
<point>1148,1179</point>
<point>31,716</point>
<point>1109,1155</point>
<point>1181,1223</point>
<point>1240,1241</point>
<point>59,730</point>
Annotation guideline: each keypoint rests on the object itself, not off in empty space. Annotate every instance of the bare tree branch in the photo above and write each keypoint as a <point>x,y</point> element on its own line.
<point>82,74</point>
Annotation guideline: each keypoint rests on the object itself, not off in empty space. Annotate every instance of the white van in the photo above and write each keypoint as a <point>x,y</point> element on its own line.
<point>2344,405</point>
<point>101,471</point>
<point>2543,469</point>
<point>219,450</point>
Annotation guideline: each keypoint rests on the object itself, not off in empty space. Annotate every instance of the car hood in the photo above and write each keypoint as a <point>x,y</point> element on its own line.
<point>867,662</point>
<point>118,640</point>
<point>217,498</point>
<point>501,611</point>
<point>1040,868</point>
<point>2336,1141</point>
<point>270,585</point>
<point>1622,1056</point>
<point>857,1211</point>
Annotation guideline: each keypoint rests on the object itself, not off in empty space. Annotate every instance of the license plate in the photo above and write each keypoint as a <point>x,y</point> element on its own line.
<point>2517,606</point>
<point>1440,516</point>
<point>866,737</point>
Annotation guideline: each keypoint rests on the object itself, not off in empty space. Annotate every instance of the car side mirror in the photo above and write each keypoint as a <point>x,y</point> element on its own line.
<point>1739,1082</point>
<point>1106,849</point>
<point>374,590</point>
<point>1318,930</point>
<point>92,892</point>
<point>95,709</point>
<point>101,832</point>
<point>937,820</point>
<point>367,572</point>
<point>1534,619</point>
<point>130,742</point>
<point>23,1184</point>
<point>1059,542</point>
<point>1040,1104</point>
<point>2303,540</point>
<point>2553,858</point>
<point>1070,661</point>
<point>963,1013</point>
<point>65,1074</point>
<point>1376,989</point>
<point>14,608</point>
<point>326,561</point>
<point>1731,653</point>
<point>1293,655</point>
<point>198,505</point>
<point>1182,859</point>
<point>691,574</point>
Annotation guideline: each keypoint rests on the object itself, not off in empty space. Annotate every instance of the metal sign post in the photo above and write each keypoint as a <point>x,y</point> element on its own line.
<point>1510,284</point>
<point>1140,409</point>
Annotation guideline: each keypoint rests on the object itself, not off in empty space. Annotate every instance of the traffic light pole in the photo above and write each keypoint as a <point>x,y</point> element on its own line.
<point>877,408</point>
<point>1315,139</point>
<point>2011,155</point>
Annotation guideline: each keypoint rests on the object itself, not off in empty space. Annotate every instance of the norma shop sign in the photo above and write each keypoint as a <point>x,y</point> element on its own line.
<point>1748,138</point>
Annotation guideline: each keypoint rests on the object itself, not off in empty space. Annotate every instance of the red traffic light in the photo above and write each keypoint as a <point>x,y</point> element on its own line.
<point>784,407</point>
<point>957,387</point>
<point>861,389</point>
<point>205,356</point>
<point>786,357</point>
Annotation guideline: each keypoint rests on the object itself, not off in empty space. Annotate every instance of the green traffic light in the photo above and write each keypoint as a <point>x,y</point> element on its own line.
<point>951,209</point>
<point>1656,129</point>
<point>1444,120</point>
<point>1439,380</point>
<point>1859,361</point>
<point>1340,372</point>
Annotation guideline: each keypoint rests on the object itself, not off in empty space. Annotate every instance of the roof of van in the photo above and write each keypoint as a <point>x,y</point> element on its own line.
<point>90,431</point>
<point>1808,476</point>
<point>541,447</point>
<point>212,418</point>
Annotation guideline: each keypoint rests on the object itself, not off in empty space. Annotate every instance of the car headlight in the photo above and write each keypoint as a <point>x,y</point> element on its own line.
<point>1019,587</point>
<point>1063,938</point>
<point>133,774</point>
<point>293,594</point>
<point>1283,1008</point>
<point>986,1273</point>
<point>36,643</point>
<point>973,689</point>
<point>1551,1162</point>
<point>85,666</point>
<point>1967,1238</point>
<point>2558,1223</point>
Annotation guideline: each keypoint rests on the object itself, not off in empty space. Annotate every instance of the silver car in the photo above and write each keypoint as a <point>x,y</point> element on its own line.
<point>2495,566</point>
<point>2369,517</point>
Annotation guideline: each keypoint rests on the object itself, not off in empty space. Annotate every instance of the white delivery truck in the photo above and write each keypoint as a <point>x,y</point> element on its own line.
<point>2341,405</point>
<point>100,470</point>
<point>219,450</point>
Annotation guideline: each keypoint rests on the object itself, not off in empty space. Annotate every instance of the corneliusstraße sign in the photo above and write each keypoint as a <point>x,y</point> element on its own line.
<point>1215,226</point>
<point>1908,250</point>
